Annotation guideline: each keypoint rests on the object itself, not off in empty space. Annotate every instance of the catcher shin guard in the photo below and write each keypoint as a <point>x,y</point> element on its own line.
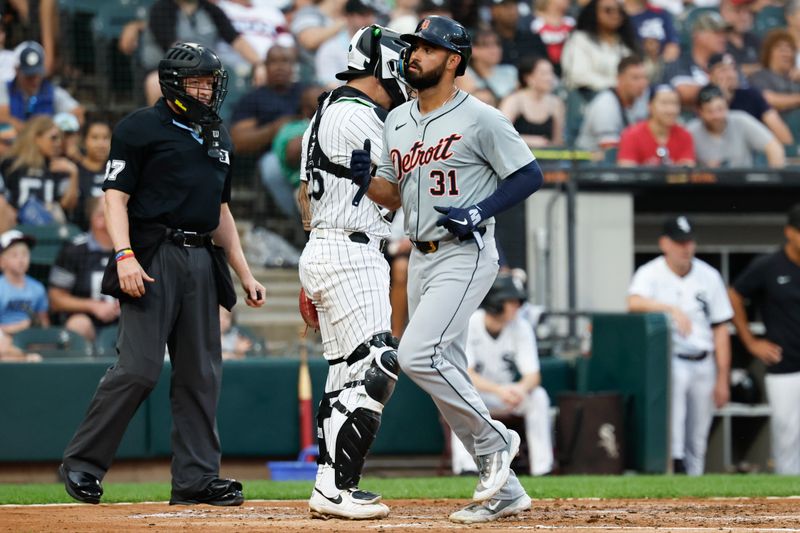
<point>355,413</point>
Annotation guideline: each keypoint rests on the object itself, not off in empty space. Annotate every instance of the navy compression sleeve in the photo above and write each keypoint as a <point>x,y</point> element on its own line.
<point>513,190</point>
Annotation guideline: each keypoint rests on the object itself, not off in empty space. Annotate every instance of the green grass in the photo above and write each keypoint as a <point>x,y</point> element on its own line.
<point>633,486</point>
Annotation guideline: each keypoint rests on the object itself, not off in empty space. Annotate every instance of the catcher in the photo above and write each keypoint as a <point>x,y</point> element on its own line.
<point>344,272</point>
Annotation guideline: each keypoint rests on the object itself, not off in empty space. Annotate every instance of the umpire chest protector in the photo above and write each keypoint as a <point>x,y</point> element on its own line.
<point>162,164</point>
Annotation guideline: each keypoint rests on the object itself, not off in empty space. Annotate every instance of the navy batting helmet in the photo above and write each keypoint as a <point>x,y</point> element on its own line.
<point>504,288</point>
<point>445,33</point>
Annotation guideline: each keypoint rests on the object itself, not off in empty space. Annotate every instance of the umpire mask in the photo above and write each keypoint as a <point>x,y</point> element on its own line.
<point>376,50</point>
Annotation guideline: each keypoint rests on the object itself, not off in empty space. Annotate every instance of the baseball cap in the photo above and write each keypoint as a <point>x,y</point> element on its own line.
<point>720,59</point>
<point>12,237</point>
<point>679,229</point>
<point>30,58</point>
<point>362,7</point>
<point>793,219</point>
<point>67,122</point>
<point>710,20</point>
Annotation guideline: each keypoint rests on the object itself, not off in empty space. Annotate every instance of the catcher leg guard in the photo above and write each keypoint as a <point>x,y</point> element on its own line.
<point>356,411</point>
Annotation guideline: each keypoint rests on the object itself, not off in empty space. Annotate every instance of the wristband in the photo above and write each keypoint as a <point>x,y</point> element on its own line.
<point>125,253</point>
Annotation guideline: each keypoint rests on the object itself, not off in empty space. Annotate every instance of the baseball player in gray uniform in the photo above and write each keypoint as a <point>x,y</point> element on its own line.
<point>343,270</point>
<point>452,162</point>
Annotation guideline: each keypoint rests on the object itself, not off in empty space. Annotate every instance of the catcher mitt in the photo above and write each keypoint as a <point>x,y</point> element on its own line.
<point>308,311</point>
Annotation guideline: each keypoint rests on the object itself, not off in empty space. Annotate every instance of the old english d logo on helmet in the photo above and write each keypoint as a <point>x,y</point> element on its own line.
<point>425,24</point>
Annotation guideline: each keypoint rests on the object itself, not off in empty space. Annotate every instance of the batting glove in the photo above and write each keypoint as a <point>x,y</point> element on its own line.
<point>460,222</point>
<point>361,166</point>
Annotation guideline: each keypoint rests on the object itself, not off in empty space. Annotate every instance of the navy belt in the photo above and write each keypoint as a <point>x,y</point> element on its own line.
<point>693,357</point>
<point>428,247</point>
<point>188,239</point>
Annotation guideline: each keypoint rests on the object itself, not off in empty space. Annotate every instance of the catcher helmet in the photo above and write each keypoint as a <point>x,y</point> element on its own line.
<point>443,32</point>
<point>191,60</point>
<point>375,50</point>
<point>504,288</point>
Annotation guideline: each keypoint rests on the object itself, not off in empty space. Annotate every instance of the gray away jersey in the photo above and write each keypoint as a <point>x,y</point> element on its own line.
<point>344,126</point>
<point>453,156</point>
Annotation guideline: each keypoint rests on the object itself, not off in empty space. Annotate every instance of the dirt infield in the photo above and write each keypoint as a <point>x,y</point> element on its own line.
<point>734,515</point>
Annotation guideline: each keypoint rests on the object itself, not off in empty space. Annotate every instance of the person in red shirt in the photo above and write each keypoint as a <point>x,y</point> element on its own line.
<point>552,23</point>
<point>659,140</point>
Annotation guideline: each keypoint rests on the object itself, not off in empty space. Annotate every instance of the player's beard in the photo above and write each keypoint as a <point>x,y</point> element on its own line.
<point>425,80</point>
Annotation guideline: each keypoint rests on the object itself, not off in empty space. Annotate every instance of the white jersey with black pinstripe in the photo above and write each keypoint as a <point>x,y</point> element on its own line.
<point>344,126</point>
<point>348,280</point>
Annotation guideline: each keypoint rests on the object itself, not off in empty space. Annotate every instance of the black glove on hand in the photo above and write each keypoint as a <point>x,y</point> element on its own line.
<point>361,166</point>
<point>460,222</point>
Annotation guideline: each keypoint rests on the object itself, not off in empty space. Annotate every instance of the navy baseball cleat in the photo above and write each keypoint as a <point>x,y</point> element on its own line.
<point>221,492</point>
<point>494,469</point>
<point>82,486</point>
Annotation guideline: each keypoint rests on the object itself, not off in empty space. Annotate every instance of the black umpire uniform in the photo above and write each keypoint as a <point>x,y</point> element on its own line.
<point>177,175</point>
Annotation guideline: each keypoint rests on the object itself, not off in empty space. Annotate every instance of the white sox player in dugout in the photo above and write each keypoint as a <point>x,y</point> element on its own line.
<point>343,271</point>
<point>452,162</point>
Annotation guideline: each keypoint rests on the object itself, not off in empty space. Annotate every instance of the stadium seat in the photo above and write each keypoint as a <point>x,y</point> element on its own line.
<point>768,18</point>
<point>52,342</point>
<point>49,240</point>
<point>105,345</point>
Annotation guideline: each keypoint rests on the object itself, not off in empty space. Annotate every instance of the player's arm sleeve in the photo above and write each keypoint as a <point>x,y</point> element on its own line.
<point>124,160</point>
<point>751,282</point>
<point>721,310</point>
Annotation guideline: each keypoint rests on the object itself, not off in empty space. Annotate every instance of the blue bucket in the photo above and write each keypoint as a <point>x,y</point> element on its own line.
<point>300,470</point>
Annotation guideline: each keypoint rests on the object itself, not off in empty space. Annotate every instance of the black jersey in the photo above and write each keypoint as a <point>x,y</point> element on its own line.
<point>22,183</point>
<point>90,184</point>
<point>79,267</point>
<point>773,283</point>
<point>162,164</point>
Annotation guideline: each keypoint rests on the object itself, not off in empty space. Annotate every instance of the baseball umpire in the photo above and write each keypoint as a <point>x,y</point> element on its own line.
<point>453,163</point>
<point>343,270</point>
<point>167,189</point>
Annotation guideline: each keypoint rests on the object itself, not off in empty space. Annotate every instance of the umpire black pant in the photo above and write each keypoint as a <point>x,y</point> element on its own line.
<point>178,310</point>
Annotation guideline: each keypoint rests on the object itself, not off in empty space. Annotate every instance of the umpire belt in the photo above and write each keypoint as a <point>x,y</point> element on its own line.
<point>188,239</point>
<point>353,236</point>
<point>428,247</point>
<point>693,357</point>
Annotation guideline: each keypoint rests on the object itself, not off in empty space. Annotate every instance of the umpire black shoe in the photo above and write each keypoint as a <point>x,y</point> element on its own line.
<point>222,492</point>
<point>82,486</point>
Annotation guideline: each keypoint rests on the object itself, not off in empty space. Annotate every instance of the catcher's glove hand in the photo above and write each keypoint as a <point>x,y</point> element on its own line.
<point>459,221</point>
<point>308,310</point>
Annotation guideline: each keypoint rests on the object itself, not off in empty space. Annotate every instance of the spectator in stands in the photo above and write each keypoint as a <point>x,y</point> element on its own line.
<point>74,283</point>
<point>11,354</point>
<point>196,21</point>
<point>778,79</point>
<point>652,23</point>
<point>659,140</point>
<point>536,113</point>
<point>35,20</point>
<point>503,363</point>
<point>690,72</point>
<point>8,61</point>
<point>603,36</point>
<point>792,15</point>
<point>613,110</point>
<point>8,134</point>
<point>723,73</point>
<point>692,295</point>
<point>8,215</point>
<point>261,113</point>
<point>34,169</point>
<point>772,283</point>
<point>553,25</point>
<point>331,57</point>
<point>742,43</point>
<point>70,138</point>
<point>23,302</point>
<point>517,38</point>
<point>91,167</point>
<point>404,16</point>
<point>234,344</point>
<point>261,24</point>
<point>311,26</point>
<point>30,93</point>
<point>724,138</point>
<point>484,70</point>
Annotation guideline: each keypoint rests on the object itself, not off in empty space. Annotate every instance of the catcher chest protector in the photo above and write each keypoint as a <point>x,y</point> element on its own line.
<point>590,433</point>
